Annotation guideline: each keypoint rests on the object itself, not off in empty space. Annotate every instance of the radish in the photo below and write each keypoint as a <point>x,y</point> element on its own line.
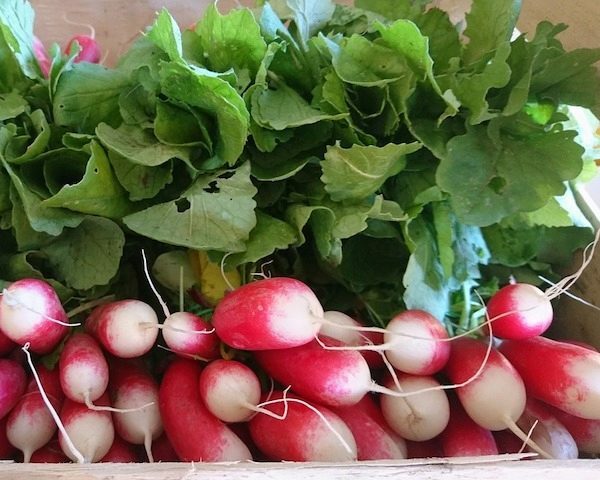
<point>194,433</point>
<point>508,442</point>
<point>31,312</point>
<point>41,55</point>
<point>89,49</point>
<point>586,433</point>
<point>91,431</point>
<point>162,450</point>
<point>121,452</point>
<point>412,343</point>
<point>519,311</point>
<point>300,434</point>
<point>30,424</point>
<point>230,390</point>
<point>6,344</point>
<point>125,328</point>
<point>547,431</point>
<point>462,437</point>
<point>418,417</point>
<point>335,326</point>
<point>7,450</point>
<point>50,453</point>
<point>267,314</point>
<point>563,375</point>
<point>374,438</point>
<point>135,391</point>
<point>83,369</point>
<point>13,382</point>
<point>427,449</point>
<point>489,388</point>
<point>188,334</point>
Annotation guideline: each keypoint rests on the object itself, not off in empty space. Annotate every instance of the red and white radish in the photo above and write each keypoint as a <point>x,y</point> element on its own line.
<point>30,424</point>
<point>125,328</point>
<point>230,390</point>
<point>585,432</point>
<point>519,311</point>
<point>31,312</point>
<point>90,431</point>
<point>416,343</point>
<point>163,451</point>
<point>7,449</point>
<point>561,374</point>
<point>83,369</point>
<point>188,334</point>
<point>135,391</point>
<point>194,433</point>
<point>50,453</point>
<point>89,49</point>
<point>271,313</point>
<point>13,382</point>
<point>375,440</point>
<point>6,344</point>
<point>335,325</point>
<point>462,437</point>
<point>300,434</point>
<point>121,452</point>
<point>417,417</point>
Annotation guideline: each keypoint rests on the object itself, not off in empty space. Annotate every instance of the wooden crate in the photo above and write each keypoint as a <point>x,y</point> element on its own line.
<point>115,22</point>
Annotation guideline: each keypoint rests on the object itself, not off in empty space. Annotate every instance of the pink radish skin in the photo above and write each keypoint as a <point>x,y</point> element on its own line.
<point>427,449</point>
<point>463,437</point>
<point>268,314</point>
<point>563,375</point>
<point>548,433</point>
<point>27,309</point>
<point>91,431</point>
<point>13,382</point>
<point>328,377</point>
<point>507,442</point>
<point>194,433</point>
<point>30,425</point>
<point>519,311</point>
<point>230,390</point>
<point>374,439</point>
<point>121,452</point>
<point>7,450</point>
<point>162,450</point>
<point>496,398</point>
<point>301,436</point>
<point>50,453</point>
<point>125,328</point>
<point>418,417</point>
<point>83,369</point>
<point>41,55</point>
<point>6,344</point>
<point>334,327</point>
<point>89,49</point>
<point>185,340</point>
<point>133,387</point>
<point>413,355</point>
<point>586,433</point>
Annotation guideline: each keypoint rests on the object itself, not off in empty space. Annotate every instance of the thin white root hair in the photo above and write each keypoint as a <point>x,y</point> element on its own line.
<point>89,306</point>
<point>529,434</point>
<point>72,448</point>
<point>89,26</point>
<point>513,427</point>
<point>569,294</point>
<point>223,274</point>
<point>154,290</point>
<point>263,274</point>
<point>148,447</point>
<point>105,408</point>
<point>183,354</point>
<point>12,299</point>
<point>181,295</point>
<point>175,329</point>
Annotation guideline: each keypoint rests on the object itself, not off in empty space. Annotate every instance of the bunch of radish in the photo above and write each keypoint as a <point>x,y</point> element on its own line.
<point>305,384</point>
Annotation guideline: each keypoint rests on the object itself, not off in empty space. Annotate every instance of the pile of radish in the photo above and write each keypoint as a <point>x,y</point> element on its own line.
<point>273,377</point>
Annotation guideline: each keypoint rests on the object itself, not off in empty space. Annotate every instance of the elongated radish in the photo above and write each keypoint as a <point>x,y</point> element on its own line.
<point>31,312</point>
<point>413,347</point>
<point>417,417</point>
<point>230,390</point>
<point>374,439</point>
<point>188,334</point>
<point>121,452</point>
<point>585,432</point>
<point>563,375</point>
<point>519,311</point>
<point>266,314</point>
<point>134,390</point>
<point>193,431</point>
<point>91,431</point>
<point>13,382</point>
<point>301,434</point>
<point>30,424</point>
<point>547,431</point>
<point>462,437</point>
<point>335,326</point>
<point>83,369</point>
<point>495,398</point>
<point>125,328</point>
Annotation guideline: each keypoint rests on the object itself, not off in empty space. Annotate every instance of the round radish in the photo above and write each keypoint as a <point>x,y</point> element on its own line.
<point>125,328</point>
<point>413,343</point>
<point>519,311</point>
<point>418,417</point>
<point>13,382</point>
<point>268,314</point>
<point>230,390</point>
<point>31,312</point>
<point>7,449</point>
<point>188,334</point>
<point>6,344</point>
<point>50,453</point>
<point>89,49</point>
